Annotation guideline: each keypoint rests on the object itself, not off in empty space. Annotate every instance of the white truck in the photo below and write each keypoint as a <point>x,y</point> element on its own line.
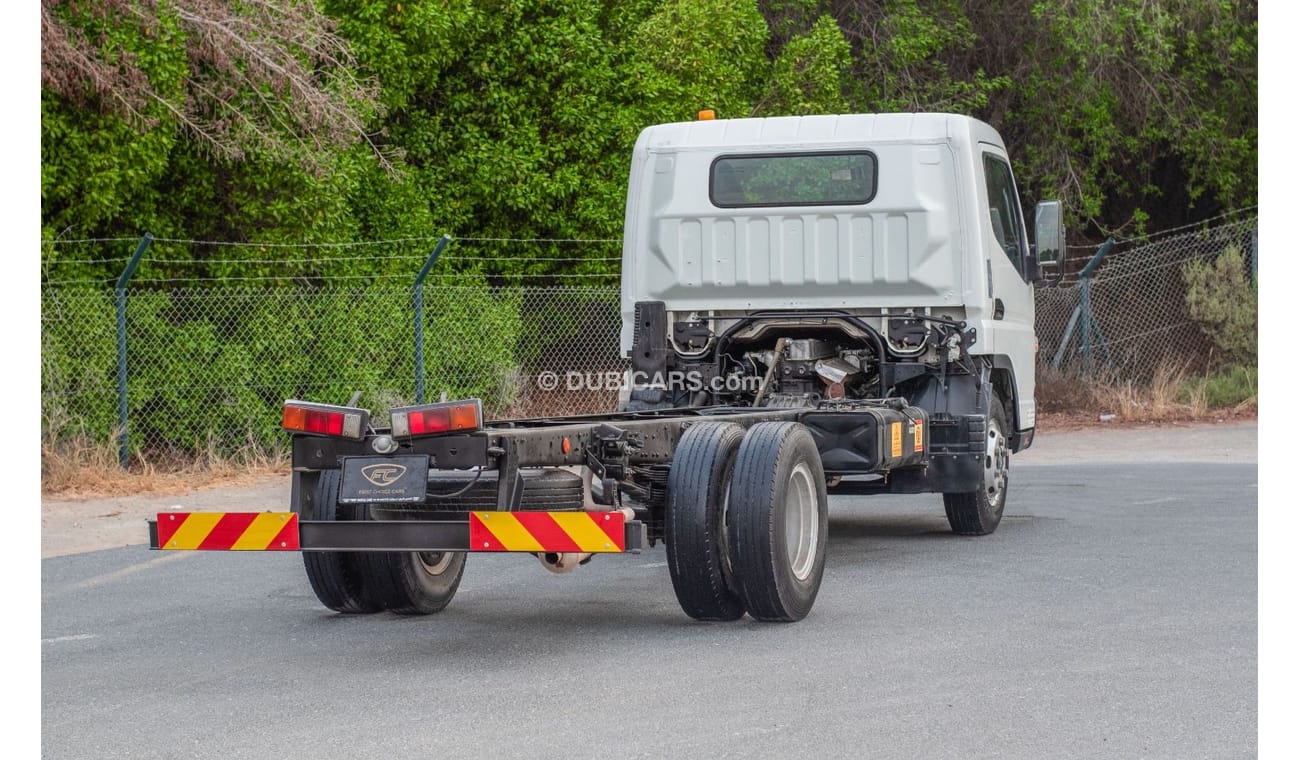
<point>811,305</point>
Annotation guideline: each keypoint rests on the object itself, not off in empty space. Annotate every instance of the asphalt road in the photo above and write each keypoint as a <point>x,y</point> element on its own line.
<point>1113,614</point>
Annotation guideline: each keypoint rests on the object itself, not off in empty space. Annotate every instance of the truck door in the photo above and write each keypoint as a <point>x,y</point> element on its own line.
<point>1009,291</point>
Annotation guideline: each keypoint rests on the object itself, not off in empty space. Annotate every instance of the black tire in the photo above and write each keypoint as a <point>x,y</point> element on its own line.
<point>335,576</point>
<point>412,583</point>
<point>777,521</point>
<point>694,521</point>
<point>979,512</point>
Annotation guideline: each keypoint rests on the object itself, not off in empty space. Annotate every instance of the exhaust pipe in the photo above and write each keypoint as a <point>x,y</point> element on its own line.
<point>564,562</point>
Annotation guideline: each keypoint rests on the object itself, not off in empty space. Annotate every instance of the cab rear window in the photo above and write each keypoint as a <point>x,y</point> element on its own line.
<point>793,179</point>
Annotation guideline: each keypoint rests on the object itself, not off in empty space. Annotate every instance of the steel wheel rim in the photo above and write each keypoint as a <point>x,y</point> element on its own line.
<point>801,522</point>
<point>434,563</point>
<point>997,462</point>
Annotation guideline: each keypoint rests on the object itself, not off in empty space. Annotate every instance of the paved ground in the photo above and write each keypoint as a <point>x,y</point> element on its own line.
<point>1113,614</point>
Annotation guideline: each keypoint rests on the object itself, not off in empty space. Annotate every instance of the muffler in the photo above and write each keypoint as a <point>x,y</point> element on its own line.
<point>564,562</point>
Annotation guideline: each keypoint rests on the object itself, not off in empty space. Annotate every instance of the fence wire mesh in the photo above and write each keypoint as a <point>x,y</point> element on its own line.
<point>210,367</point>
<point>1131,316</point>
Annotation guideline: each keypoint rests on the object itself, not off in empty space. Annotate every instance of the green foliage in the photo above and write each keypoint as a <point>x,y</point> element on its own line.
<point>910,69</point>
<point>472,342</point>
<point>1223,298</point>
<point>811,74</point>
<point>1225,389</point>
<point>78,362</point>
<point>515,119</point>
<point>693,54</point>
<point>1231,387</point>
<point>1138,110</point>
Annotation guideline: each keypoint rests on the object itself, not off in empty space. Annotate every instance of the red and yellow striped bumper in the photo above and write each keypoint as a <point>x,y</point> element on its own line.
<point>595,532</point>
<point>229,531</point>
<point>534,532</point>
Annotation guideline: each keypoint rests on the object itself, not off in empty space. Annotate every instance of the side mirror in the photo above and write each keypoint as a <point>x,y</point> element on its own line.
<point>1049,241</point>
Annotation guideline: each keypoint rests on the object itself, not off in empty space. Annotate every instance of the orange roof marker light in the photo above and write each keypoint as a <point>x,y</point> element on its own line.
<point>707,114</point>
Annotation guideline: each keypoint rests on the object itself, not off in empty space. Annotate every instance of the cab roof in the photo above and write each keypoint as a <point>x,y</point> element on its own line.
<point>808,131</point>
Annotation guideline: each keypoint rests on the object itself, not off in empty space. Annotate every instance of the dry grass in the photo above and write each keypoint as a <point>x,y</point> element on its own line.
<point>76,466</point>
<point>1174,394</point>
<point>1158,401</point>
<point>1058,392</point>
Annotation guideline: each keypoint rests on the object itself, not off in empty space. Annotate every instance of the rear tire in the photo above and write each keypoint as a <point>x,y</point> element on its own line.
<point>694,521</point>
<point>777,521</point>
<point>335,576</point>
<point>412,583</point>
<point>978,513</point>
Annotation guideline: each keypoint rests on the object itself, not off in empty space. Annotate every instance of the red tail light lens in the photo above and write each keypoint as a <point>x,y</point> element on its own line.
<point>324,419</point>
<point>432,419</point>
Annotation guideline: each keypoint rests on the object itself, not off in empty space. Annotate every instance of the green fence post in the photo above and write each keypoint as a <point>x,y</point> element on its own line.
<point>419,315</point>
<point>123,449</point>
<point>1254,256</point>
<point>1088,322</point>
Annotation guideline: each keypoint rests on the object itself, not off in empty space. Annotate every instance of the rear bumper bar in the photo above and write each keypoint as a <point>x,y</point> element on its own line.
<point>530,532</point>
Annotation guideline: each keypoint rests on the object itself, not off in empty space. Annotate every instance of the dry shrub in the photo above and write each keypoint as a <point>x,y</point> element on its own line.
<point>1056,391</point>
<point>1174,393</point>
<point>77,466</point>
<point>76,463</point>
<point>1165,398</point>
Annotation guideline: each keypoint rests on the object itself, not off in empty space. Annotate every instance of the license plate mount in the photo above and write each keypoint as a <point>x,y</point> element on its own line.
<point>384,480</point>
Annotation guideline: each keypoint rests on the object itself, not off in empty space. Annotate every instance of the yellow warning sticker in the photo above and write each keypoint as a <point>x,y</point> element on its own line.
<point>896,434</point>
<point>918,437</point>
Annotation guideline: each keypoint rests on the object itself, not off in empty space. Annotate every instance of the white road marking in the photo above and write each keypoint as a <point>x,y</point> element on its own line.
<point>77,637</point>
<point>100,580</point>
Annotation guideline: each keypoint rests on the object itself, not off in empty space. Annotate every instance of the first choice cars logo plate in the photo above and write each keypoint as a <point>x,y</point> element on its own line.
<point>368,480</point>
<point>383,475</point>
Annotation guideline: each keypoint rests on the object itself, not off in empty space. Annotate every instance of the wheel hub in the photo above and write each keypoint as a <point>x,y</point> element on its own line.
<point>434,563</point>
<point>997,462</point>
<point>801,522</point>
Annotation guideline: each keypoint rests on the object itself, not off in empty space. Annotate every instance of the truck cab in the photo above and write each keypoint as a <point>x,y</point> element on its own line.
<point>907,224</point>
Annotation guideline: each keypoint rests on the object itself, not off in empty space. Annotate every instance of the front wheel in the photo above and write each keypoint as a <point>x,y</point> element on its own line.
<point>978,513</point>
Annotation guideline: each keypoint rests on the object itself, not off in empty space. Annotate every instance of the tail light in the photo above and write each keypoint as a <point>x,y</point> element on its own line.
<point>324,419</point>
<point>432,419</point>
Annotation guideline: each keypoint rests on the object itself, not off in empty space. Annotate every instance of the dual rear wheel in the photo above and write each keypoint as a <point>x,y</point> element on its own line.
<point>746,521</point>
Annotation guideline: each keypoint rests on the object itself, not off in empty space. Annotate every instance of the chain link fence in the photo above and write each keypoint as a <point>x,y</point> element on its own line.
<point>1130,316</point>
<point>210,367</point>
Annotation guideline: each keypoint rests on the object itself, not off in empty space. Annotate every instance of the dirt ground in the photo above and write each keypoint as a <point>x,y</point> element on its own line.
<point>90,523</point>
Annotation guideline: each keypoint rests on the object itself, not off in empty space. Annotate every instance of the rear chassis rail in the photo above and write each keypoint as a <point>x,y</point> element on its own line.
<point>896,448</point>
<point>866,447</point>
